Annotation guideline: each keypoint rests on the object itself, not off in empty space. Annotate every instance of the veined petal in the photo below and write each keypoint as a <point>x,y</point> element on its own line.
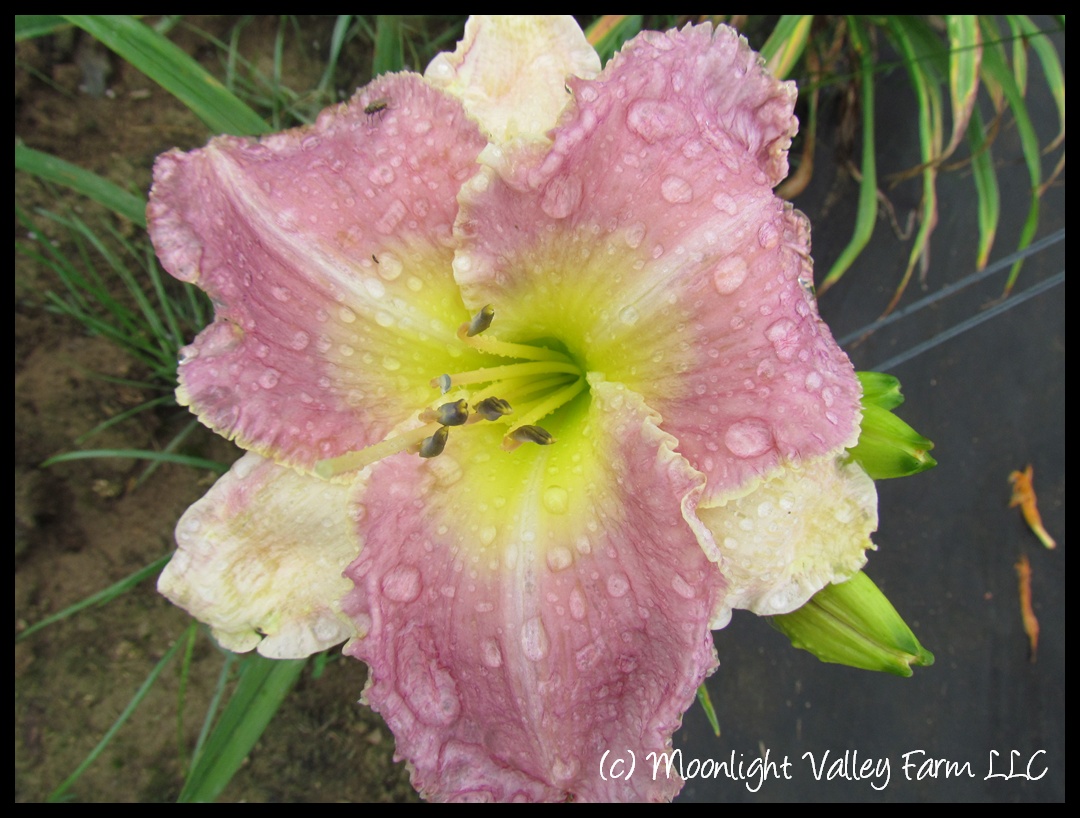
<point>523,612</point>
<point>327,252</point>
<point>649,241</point>
<point>262,554</point>
<point>509,71</point>
<point>785,537</point>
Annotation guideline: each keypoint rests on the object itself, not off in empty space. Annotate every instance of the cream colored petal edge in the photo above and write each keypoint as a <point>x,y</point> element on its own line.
<point>260,560</point>
<point>510,71</point>
<point>791,533</point>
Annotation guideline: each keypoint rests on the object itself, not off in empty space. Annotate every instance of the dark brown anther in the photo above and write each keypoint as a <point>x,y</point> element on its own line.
<point>453,414</point>
<point>433,446</point>
<point>493,408</point>
<point>532,434</point>
<point>481,321</point>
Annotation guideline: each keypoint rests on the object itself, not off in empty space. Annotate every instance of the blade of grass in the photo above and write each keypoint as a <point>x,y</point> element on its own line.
<point>710,712</point>
<point>212,709</point>
<point>174,70</point>
<point>928,97</point>
<point>389,54</point>
<point>102,191</point>
<point>337,40</point>
<point>608,33</point>
<point>170,447</point>
<point>867,208</point>
<point>122,416</point>
<point>140,694</point>
<point>787,43</point>
<point>28,26</point>
<point>260,691</point>
<point>139,454</point>
<point>986,188</point>
<point>1051,66</point>
<point>185,673</point>
<point>100,598</point>
<point>965,59</point>
<point>994,64</point>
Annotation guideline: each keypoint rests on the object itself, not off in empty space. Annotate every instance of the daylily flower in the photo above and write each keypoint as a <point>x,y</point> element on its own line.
<point>574,293</point>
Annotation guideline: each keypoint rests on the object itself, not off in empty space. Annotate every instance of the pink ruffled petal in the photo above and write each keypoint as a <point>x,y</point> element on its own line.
<point>262,554</point>
<point>327,252</point>
<point>509,71</point>
<point>650,237</point>
<point>523,613</point>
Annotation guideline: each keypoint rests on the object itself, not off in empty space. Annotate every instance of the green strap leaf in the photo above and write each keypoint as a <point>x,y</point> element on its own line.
<point>102,191</point>
<point>867,212</point>
<point>608,33</point>
<point>259,694</point>
<point>171,68</point>
<point>787,43</point>
<point>965,59</point>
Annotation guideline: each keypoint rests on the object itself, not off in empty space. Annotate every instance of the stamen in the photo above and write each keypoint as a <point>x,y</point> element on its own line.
<point>506,349</point>
<point>493,408</point>
<point>442,382</point>
<point>548,405</point>
<point>449,414</point>
<point>354,461</point>
<point>433,446</point>
<point>498,373</point>
<point>527,434</point>
<point>481,321</point>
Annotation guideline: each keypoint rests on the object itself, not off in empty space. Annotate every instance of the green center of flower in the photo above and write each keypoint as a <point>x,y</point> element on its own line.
<point>535,382</point>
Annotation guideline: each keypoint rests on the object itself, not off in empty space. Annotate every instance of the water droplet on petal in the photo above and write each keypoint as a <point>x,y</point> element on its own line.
<point>300,340</point>
<point>618,585</point>
<point>730,274</point>
<point>487,535</point>
<point>346,315</point>
<point>635,234</point>
<point>577,603</point>
<point>676,190</point>
<point>725,202</point>
<point>390,266</point>
<point>391,364</point>
<point>559,558</point>
<point>748,438</point>
<point>489,650</point>
<point>381,175</point>
<point>682,587</point>
<point>653,120</point>
<point>768,236</point>
<point>269,379</point>
<point>813,380</point>
<point>629,315</point>
<point>561,196</point>
<point>534,639</point>
<point>784,336</point>
<point>402,584</point>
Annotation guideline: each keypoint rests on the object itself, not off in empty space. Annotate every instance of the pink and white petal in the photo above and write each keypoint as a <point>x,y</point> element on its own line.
<point>523,612</point>
<point>787,536</point>
<point>650,235</point>
<point>326,251</point>
<point>510,71</point>
<point>260,560</point>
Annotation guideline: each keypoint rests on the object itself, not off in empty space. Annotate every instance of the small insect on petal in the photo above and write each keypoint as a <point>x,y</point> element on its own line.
<point>376,106</point>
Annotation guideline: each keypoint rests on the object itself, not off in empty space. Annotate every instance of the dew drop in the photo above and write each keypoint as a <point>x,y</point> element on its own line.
<point>492,656</point>
<point>813,380</point>
<point>559,558</point>
<point>381,175</point>
<point>280,293</point>
<point>391,364</point>
<point>654,120</point>
<point>629,315</point>
<point>768,236</point>
<point>300,340</point>
<point>577,603</point>
<point>269,379</point>
<point>534,639</point>
<point>725,202</point>
<point>402,584</point>
<point>676,190</point>
<point>390,266</point>
<point>635,234</point>
<point>384,319</point>
<point>730,274</point>
<point>748,438</point>
<point>682,587</point>
<point>561,196</point>
<point>618,585</point>
<point>487,535</point>
<point>347,315</point>
<point>784,337</point>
